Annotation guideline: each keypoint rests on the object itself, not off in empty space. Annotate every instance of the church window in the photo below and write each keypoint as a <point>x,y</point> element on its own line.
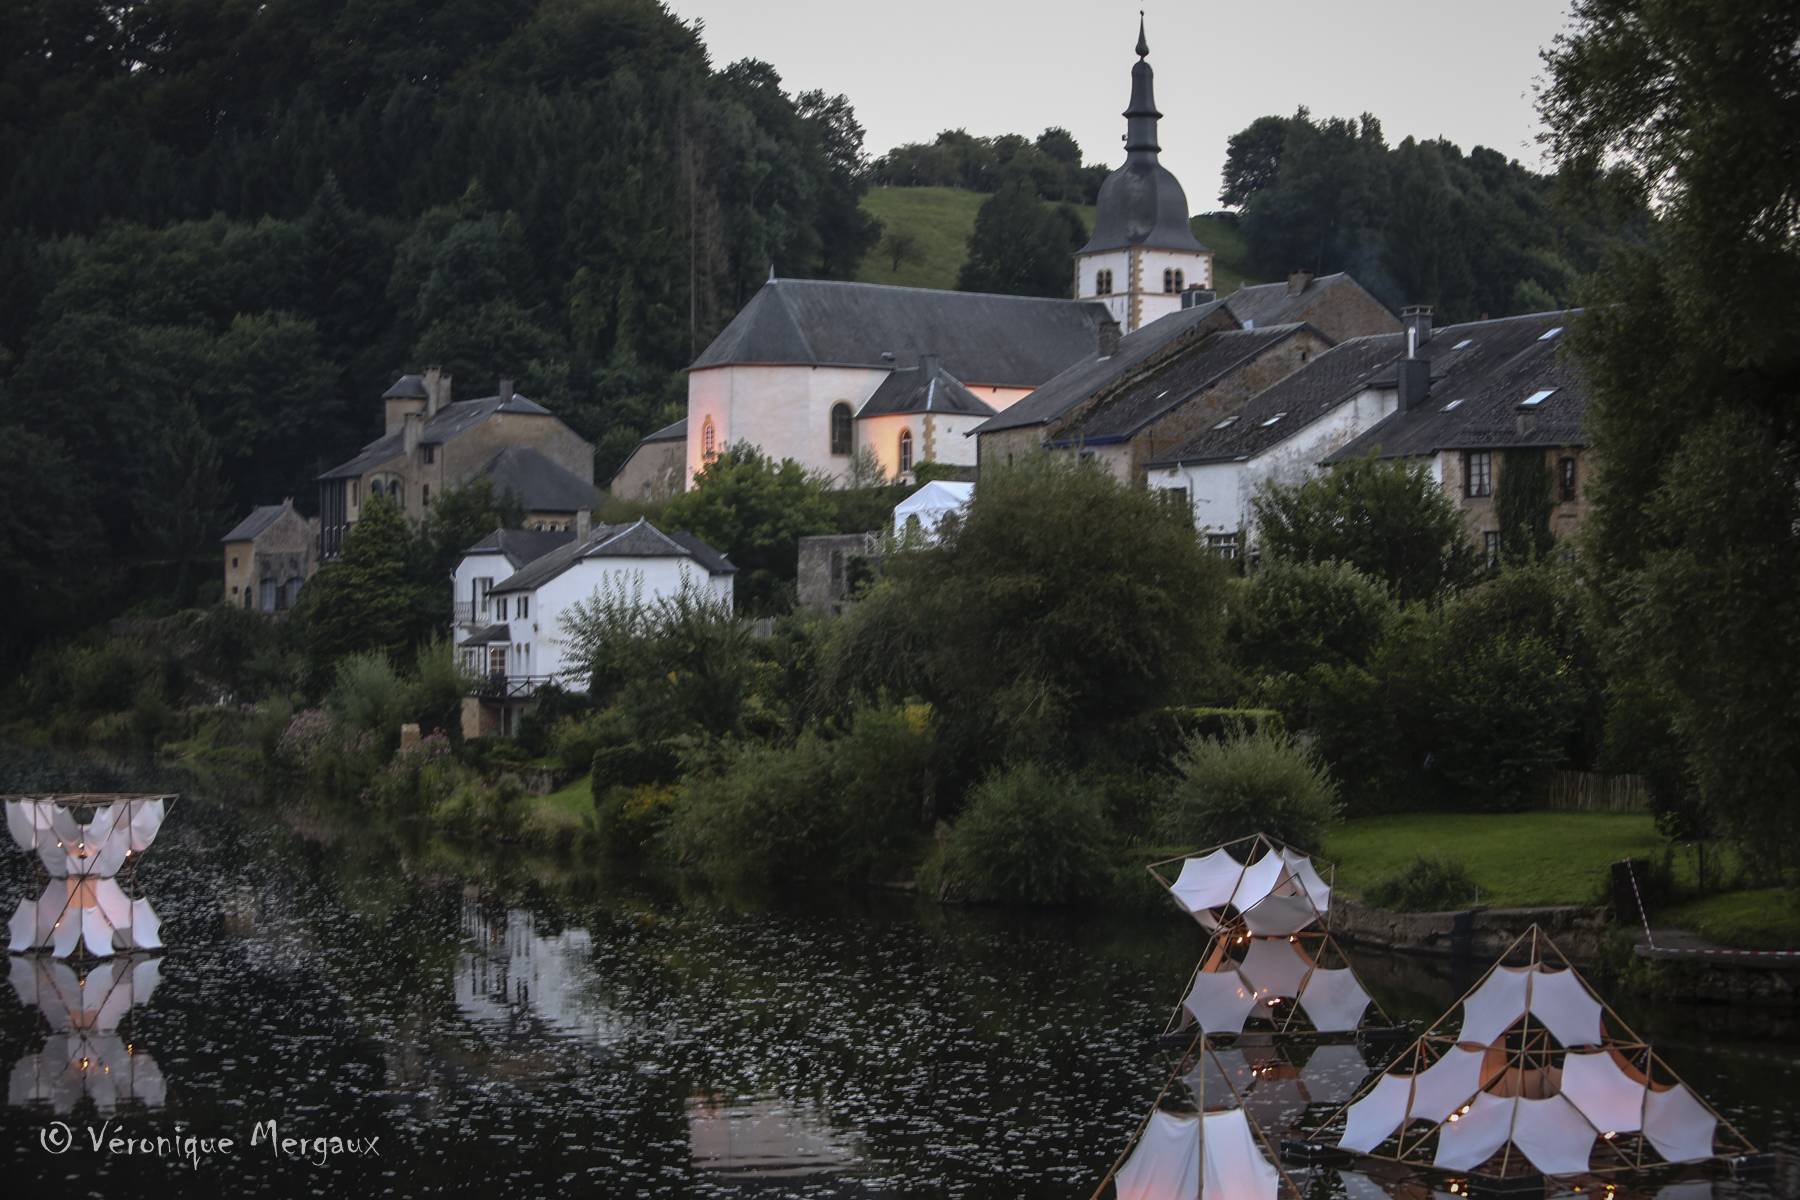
<point>709,442</point>
<point>1180,279</point>
<point>905,450</point>
<point>1103,283</point>
<point>840,428</point>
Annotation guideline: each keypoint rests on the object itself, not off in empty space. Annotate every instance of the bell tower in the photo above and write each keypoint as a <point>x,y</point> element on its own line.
<point>1143,253</point>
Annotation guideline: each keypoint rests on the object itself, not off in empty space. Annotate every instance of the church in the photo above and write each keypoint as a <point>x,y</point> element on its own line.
<point>831,373</point>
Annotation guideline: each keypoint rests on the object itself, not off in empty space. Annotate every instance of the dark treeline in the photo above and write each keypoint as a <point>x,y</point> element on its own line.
<point>225,228</point>
<point>1475,235</point>
<point>1050,164</point>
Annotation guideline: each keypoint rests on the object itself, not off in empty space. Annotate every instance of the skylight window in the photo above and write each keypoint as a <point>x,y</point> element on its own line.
<point>1550,333</point>
<point>1273,419</point>
<point>1537,398</point>
<point>1227,423</point>
<point>1464,344</point>
<point>1453,404</point>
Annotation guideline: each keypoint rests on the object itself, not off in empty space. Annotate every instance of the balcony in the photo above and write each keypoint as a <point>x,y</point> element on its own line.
<point>501,686</point>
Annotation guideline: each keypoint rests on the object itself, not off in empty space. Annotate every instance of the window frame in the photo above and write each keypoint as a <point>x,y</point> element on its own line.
<point>709,441</point>
<point>905,450</point>
<point>1486,458</point>
<point>841,430</point>
<point>1490,547</point>
<point>1567,478</point>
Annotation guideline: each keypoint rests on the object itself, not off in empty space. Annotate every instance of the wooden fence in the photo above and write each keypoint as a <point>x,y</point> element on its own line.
<point>1587,791</point>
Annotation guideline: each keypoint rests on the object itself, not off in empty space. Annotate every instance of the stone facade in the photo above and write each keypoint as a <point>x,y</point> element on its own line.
<point>1480,515</point>
<point>265,570</point>
<point>833,566</point>
<point>653,473</point>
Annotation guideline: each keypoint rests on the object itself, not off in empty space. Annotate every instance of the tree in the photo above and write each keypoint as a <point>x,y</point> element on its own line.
<point>1522,506</point>
<point>1291,616</point>
<point>1060,610</point>
<point>1687,348</point>
<point>901,246</point>
<point>371,599</point>
<point>1389,520</point>
<point>1253,158</point>
<point>182,506</point>
<point>1020,245</point>
<point>756,510</point>
<point>52,577</point>
<point>461,516</point>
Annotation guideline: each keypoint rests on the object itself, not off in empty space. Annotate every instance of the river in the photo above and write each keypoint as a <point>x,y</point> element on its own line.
<point>508,1026</point>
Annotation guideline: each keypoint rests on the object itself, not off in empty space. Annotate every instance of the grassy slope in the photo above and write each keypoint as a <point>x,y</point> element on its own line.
<point>943,218</point>
<point>1517,859</point>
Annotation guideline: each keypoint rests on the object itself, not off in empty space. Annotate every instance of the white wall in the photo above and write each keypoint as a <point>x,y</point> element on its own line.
<point>784,410</point>
<point>1088,268</point>
<point>1220,493</point>
<point>1196,270</point>
<point>540,644</point>
<point>475,566</point>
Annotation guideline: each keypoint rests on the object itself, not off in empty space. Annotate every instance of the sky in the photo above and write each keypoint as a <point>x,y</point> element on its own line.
<point>1456,69</point>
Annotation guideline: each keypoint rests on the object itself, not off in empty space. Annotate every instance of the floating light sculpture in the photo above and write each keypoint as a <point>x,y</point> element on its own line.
<point>81,902</point>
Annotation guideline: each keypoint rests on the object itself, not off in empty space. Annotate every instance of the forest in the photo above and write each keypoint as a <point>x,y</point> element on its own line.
<point>228,226</point>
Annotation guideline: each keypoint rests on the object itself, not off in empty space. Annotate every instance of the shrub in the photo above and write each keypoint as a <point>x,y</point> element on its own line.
<point>576,737</point>
<point>477,807</point>
<point>1505,709</point>
<point>418,777</point>
<point>368,696</point>
<point>1425,885</point>
<point>1248,783</point>
<point>770,813</point>
<point>1291,616</point>
<point>1027,836</point>
<point>628,820</point>
<point>438,688</point>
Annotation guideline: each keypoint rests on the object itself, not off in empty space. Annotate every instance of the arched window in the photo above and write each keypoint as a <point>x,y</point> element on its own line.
<point>1168,280</point>
<point>840,428</point>
<point>1180,279</point>
<point>1103,283</point>
<point>905,450</point>
<point>709,442</point>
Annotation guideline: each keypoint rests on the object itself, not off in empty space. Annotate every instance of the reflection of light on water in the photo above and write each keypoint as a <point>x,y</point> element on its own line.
<point>761,1137</point>
<point>85,1054</point>
<point>514,974</point>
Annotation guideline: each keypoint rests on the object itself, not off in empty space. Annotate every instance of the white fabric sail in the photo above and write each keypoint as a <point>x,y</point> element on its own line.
<point>1275,915</point>
<point>1446,1085</point>
<point>1334,999</point>
<point>1493,1008</point>
<point>1475,1136</point>
<point>1609,1098</point>
<point>1220,1001</point>
<point>1207,882</point>
<point>1678,1125</point>
<point>82,905</point>
<point>1275,967</point>
<point>1232,1162</point>
<point>1373,1119</point>
<point>1558,1000</point>
<point>1551,1134</point>
<point>1165,1164</point>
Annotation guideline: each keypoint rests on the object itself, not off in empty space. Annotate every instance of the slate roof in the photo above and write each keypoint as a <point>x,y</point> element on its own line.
<point>1093,373</point>
<point>521,546</point>
<point>539,484</point>
<point>1124,412</point>
<point>449,422</point>
<point>260,518</point>
<point>407,387</point>
<point>926,388</point>
<point>1308,394</point>
<point>640,539</point>
<point>1259,304</point>
<point>489,635</point>
<point>1142,204</point>
<point>1481,373</point>
<point>675,432</point>
<point>1003,341</point>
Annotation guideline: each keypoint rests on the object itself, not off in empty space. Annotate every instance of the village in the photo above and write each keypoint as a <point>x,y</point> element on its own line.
<point>588,616</point>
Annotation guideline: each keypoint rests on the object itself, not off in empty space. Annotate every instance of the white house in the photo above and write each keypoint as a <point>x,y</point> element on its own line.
<point>1280,435</point>
<point>926,508</point>
<point>517,641</point>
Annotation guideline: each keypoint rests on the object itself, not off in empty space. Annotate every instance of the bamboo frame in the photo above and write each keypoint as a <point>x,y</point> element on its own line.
<point>128,874</point>
<point>1533,1050</point>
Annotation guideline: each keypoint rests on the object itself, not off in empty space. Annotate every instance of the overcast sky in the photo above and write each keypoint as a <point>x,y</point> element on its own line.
<point>1456,68</point>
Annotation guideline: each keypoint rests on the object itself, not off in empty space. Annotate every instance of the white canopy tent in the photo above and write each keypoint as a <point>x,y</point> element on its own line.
<point>930,505</point>
<point>1534,1077</point>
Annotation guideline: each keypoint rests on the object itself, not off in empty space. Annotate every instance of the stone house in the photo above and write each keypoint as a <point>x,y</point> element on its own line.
<point>432,442</point>
<point>653,470</point>
<point>1473,397</point>
<point>268,556</point>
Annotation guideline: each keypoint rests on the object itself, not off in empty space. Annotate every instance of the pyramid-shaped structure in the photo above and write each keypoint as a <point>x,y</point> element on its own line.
<point>1531,1072</point>
<point>1270,957</point>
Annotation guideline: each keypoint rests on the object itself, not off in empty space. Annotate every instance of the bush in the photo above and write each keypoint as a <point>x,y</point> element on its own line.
<point>769,814</point>
<point>477,807</point>
<point>1291,616</point>
<point>1027,837</point>
<point>629,820</point>
<point>420,777</point>
<point>1425,885</point>
<point>1505,710</point>
<point>439,685</point>
<point>368,696</point>
<point>1261,782</point>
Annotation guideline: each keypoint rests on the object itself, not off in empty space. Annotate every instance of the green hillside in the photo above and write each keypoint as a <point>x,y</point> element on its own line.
<point>942,218</point>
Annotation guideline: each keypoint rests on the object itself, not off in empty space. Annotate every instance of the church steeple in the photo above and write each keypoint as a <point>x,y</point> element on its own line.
<point>1141,115</point>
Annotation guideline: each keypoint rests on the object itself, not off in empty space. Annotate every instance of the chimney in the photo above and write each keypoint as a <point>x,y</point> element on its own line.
<point>434,379</point>
<point>1414,376</point>
<point>584,525</point>
<point>928,365</point>
<point>1298,281</point>
<point>410,427</point>
<point>1195,296</point>
<point>1107,335</point>
<point>506,389</point>
<point>1418,325</point>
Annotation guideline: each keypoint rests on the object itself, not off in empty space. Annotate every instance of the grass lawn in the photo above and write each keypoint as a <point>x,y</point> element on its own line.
<point>1517,859</point>
<point>556,819</point>
<point>1759,918</point>
<point>942,218</point>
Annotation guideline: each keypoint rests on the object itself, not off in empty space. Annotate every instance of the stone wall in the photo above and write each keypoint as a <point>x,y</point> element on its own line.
<point>829,568</point>
<point>1480,933</point>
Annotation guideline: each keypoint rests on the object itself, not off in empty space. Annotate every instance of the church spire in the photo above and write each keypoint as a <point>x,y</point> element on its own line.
<point>1141,115</point>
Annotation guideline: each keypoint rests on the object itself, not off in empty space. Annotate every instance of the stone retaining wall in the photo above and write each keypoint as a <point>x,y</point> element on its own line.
<point>1480,933</point>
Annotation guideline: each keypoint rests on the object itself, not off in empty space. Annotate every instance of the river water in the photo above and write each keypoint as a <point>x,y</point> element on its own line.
<point>506,1026</point>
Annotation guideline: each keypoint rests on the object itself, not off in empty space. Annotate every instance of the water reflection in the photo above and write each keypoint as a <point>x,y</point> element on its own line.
<point>1275,1084</point>
<point>86,1055</point>
<point>766,1137</point>
<point>518,980</point>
